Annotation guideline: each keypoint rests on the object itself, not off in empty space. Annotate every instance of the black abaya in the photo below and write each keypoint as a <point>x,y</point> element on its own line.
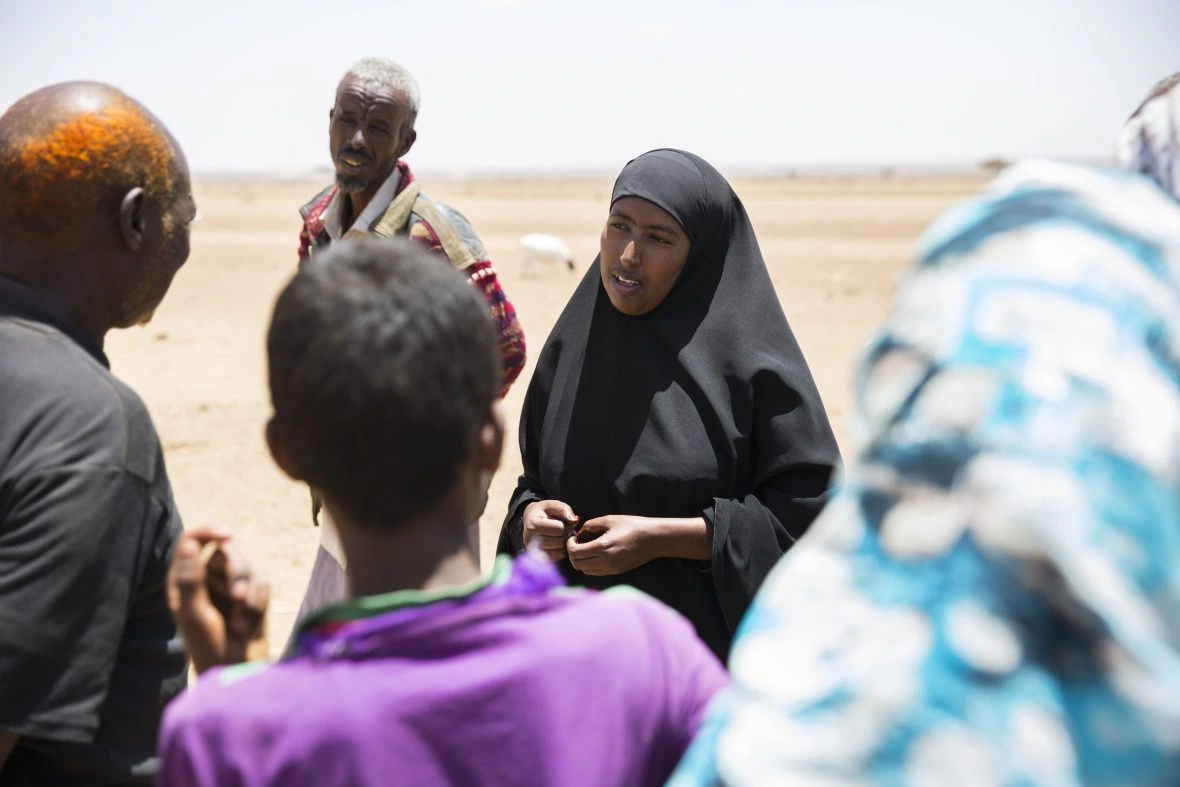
<point>702,407</point>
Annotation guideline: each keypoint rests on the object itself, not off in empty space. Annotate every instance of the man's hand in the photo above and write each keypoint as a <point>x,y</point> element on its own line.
<point>218,606</point>
<point>610,545</point>
<point>548,523</point>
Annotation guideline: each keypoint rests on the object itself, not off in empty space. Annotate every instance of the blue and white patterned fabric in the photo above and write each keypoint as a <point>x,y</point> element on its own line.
<point>993,597</point>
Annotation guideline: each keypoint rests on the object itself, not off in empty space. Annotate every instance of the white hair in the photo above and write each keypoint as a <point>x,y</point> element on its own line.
<point>1150,142</point>
<point>383,73</point>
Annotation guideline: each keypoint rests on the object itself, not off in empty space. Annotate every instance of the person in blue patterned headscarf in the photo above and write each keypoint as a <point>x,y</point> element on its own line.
<point>1150,140</point>
<point>993,597</point>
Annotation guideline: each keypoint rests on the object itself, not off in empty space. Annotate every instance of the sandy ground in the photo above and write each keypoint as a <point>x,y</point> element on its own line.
<point>834,249</point>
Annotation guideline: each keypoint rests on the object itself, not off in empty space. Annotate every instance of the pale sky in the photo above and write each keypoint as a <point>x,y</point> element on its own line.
<point>564,85</point>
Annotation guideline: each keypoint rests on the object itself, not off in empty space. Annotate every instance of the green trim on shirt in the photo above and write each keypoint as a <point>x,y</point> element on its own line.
<point>363,607</point>
<point>627,592</point>
<point>230,675</point>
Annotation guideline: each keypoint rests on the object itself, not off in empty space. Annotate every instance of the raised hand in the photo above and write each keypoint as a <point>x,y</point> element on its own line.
<point>218,606</point>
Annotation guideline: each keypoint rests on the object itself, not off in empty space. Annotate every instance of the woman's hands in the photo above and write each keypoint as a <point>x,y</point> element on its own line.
<point>602,547</point>
<point>614,544</point>
<point>549,524</point>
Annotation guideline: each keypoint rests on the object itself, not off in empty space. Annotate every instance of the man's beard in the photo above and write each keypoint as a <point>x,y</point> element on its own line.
<point>350,185</point>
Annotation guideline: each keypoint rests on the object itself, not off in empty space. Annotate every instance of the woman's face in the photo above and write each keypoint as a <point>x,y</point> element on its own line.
<point>643,251</point>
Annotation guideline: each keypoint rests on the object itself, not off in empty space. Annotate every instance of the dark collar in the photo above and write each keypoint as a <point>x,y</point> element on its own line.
<point>25,303</point>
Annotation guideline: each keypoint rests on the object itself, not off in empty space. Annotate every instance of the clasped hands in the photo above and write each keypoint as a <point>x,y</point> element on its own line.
<point>599,547</point>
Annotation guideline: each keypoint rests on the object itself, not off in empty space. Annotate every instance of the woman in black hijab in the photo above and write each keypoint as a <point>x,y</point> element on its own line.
<point>672,436</point>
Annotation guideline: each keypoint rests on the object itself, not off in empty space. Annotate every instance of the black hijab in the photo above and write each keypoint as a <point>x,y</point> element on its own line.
<point>702,407</point>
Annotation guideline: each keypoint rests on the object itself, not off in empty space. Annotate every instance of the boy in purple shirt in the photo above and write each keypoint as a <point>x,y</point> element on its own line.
<point>384,377</point>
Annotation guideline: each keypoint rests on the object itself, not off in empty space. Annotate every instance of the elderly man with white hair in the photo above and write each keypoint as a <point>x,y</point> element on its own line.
<point>371,127</point>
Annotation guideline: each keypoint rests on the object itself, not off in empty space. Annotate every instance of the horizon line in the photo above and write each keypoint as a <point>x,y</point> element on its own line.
<point>738,170</point>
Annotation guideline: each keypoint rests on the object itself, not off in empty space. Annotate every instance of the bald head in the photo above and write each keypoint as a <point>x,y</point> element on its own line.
<point>95,203</point>
<point>69,153</point>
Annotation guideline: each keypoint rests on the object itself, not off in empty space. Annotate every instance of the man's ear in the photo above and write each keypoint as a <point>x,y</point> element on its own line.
<point>278,450</point>
<point>491,439</point>
<point>408,142</point>
<point>131,223</point>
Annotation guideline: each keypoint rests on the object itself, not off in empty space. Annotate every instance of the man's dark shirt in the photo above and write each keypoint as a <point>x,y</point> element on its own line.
<point>89,655</point>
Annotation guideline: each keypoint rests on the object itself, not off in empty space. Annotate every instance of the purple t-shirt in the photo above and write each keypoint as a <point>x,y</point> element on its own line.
<point>514,680</point>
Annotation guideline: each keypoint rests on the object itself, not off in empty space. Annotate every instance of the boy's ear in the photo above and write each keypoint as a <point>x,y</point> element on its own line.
<point>278,451</point>
<point>491,439</point>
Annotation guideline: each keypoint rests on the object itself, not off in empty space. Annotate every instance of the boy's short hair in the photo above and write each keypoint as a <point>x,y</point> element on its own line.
<point>383,368</point>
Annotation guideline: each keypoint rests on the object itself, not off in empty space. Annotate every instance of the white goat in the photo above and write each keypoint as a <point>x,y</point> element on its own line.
<point>544,250</point>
